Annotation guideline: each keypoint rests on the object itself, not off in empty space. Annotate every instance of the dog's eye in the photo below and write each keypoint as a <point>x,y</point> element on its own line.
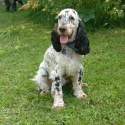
<point>59,17</point>
<point>71,18</point>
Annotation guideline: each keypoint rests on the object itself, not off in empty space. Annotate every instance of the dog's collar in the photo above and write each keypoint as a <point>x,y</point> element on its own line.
<point>69,44</point>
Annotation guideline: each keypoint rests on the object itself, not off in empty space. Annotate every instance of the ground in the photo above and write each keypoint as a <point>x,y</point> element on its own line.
<point>22,46</point>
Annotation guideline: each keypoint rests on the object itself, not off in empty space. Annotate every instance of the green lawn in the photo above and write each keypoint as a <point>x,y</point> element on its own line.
<point>22,46</point>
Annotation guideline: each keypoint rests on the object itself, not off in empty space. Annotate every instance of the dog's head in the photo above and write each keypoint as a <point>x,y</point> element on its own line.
<point>67,25</point>
<point>68,28</point>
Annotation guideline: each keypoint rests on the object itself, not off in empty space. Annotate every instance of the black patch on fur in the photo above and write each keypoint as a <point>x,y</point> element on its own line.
<point>55,41</point>
<point>80,76</point>
<point>79,79</point>
<point>81,41</point>
<point>57,78</point>
<point>56,20</point>
<point>58,83</point>
<point>81,72</point>
<point>66,11</point>
<point>74,11</point>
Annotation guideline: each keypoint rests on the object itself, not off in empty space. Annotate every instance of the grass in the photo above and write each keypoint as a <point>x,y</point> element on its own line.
<point>22,46</point>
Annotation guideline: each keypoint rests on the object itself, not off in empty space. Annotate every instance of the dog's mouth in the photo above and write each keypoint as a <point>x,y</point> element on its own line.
<point>64,39</point>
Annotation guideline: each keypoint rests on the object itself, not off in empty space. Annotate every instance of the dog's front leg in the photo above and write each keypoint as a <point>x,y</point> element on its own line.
<point>77,85</point>
<point>56,91</point>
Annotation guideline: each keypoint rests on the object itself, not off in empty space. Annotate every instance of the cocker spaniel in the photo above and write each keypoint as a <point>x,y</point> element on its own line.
<point>63,59</point>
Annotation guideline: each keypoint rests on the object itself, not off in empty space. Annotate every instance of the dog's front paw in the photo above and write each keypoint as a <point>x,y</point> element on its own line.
<point>80,95</point>
<point>58,103</point>
<point>57,106</point>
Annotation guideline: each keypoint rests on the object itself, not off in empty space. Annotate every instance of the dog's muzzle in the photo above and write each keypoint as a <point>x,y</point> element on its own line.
<point>62,29</point>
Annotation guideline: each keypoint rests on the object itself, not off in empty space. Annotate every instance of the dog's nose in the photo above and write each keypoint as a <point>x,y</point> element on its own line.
<point>62,29</point>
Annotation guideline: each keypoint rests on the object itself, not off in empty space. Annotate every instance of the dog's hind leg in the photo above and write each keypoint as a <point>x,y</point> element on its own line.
<point>41,79</point>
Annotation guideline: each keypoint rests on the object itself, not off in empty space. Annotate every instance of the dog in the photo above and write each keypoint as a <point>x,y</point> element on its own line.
<point>62,61</point>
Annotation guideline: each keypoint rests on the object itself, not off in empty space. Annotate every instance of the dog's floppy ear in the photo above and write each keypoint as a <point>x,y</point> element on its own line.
<point>82,42</point>
<point>55,37</point>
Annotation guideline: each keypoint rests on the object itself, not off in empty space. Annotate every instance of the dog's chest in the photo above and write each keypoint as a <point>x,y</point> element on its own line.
<point>68,63</point>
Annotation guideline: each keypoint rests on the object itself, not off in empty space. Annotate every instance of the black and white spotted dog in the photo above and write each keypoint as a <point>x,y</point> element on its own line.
<point>63,59</point>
